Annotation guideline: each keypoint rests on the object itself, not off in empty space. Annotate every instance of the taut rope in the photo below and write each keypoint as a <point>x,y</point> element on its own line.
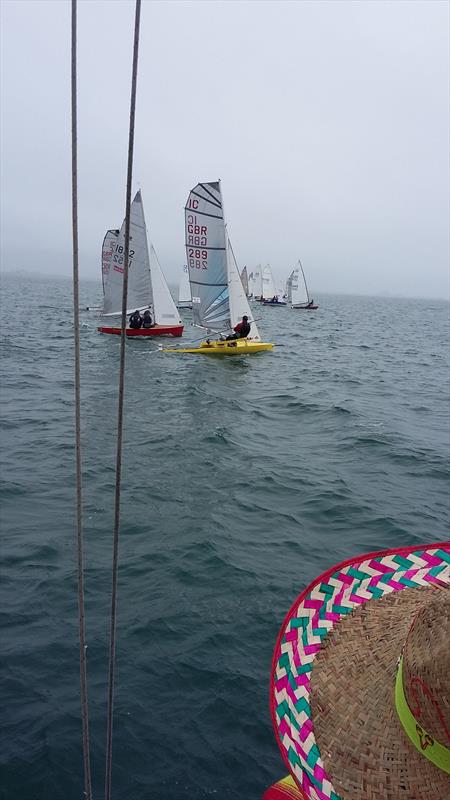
<point>112,645</point>
<point>79,507</point>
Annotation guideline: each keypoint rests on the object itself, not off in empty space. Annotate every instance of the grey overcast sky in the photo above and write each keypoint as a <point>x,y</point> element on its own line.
<point>326,121</point>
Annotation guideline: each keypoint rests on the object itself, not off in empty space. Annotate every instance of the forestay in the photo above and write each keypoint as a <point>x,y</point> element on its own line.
<point>107,248</point>
<point>299,292</point>
<point>139,282</point>
<point>268,285</point>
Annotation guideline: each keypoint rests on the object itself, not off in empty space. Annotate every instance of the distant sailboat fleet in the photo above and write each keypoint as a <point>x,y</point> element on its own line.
<point>210,283</point>
<point>261,287</point>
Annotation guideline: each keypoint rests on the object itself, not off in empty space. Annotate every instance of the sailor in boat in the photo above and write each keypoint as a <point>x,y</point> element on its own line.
<point>147,321</point>
<point>311,303</point>
<point>241,330</point>
<point>135,320</point>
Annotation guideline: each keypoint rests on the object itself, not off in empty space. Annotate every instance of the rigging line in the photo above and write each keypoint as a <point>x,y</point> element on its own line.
<point>79,503</point>
<point>112,645</point>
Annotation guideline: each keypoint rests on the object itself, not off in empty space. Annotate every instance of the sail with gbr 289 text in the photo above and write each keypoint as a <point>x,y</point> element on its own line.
<point>218,298</point>
<point>206,253</point>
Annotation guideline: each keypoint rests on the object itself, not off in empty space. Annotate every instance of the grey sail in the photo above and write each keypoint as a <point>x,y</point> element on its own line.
<point>206,256</point>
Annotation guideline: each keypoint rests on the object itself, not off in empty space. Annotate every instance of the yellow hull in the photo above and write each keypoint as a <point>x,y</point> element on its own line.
<point>235,347</point>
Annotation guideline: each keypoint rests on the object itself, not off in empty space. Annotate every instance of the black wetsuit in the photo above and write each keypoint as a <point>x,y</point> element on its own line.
<point>136,320</point>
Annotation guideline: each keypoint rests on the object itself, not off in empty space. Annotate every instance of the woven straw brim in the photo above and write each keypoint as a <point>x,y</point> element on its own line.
<point>362,743</point>
<point>333,678</point>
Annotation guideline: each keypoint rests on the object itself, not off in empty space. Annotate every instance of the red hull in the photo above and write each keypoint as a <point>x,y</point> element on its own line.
<point>157,330</point>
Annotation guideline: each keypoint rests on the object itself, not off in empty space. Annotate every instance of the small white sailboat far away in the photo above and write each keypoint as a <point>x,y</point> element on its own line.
<point>299,295</point>
<point>184,290</point>
<point>270,295</point>
<point>218,299</point>
<point>147,286</point>
<point>244,280</point>
<point>257,283</point>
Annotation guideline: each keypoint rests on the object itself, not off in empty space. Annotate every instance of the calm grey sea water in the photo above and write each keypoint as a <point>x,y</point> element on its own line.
<point>243,479</point>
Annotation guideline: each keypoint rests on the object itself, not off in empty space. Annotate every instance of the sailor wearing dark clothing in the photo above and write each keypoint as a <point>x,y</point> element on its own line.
<point>147,321</point>
<point>241,330</point>
<point>136,320</point>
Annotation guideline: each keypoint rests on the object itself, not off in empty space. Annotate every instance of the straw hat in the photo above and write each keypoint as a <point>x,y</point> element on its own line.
<point>360,686</point>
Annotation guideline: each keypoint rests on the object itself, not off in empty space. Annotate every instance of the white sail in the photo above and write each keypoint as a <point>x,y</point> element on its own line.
<point>244,280</point>
<point>257,283</point>
<point>268,285</point>
<point>147,287</point>
<point>299,291</point>
<point>139,283</point>
<point>164,309</point>
<point>251,285</point>
<point>218,298</point>
<point>288,291</point>
<point>239,306</point>
<point>184,290</point>
<point>206,255</point>
<point>107,248</point>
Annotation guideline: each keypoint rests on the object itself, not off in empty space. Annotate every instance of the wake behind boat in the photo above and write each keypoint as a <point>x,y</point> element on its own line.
<point>147,286</point>
<point>219,301</point>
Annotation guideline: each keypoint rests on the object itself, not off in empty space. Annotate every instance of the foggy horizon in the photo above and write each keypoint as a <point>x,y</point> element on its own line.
<point>327,123</point>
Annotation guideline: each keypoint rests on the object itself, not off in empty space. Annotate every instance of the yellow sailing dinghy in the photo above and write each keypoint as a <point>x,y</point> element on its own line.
<point>218,298</point>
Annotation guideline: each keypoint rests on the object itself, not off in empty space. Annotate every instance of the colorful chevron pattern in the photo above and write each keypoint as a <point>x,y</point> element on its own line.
<point>335,594</point>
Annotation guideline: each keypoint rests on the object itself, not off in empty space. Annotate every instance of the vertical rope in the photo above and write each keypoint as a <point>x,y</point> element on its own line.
<point>79,507</point>
<point>112,645</point>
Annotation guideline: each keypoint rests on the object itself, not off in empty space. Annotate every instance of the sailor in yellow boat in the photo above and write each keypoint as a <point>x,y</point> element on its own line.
<point>241,330</point>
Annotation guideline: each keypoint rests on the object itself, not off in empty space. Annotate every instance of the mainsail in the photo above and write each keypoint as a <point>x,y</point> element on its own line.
<point>218,298</point>
<point>251,285</point>
<point>147,286</point>
<point>184,290</point>
<point>268,285</point>
<point>288,290</point>
<point>107,248</point>
<point>299,290</point>
<point>257,283</point>
<point>244,280</point>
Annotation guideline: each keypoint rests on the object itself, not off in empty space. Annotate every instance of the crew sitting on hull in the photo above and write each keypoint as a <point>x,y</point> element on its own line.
<point>147,321</point>
<point>135,320</point>
<point>241,330</point>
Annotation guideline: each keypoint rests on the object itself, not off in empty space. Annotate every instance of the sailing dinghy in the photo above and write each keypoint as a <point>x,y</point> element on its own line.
<point>299,295</point>
<point>147,286</point>
<point>270,296</point>
<point>218,298</point>
<point>184,290</point>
